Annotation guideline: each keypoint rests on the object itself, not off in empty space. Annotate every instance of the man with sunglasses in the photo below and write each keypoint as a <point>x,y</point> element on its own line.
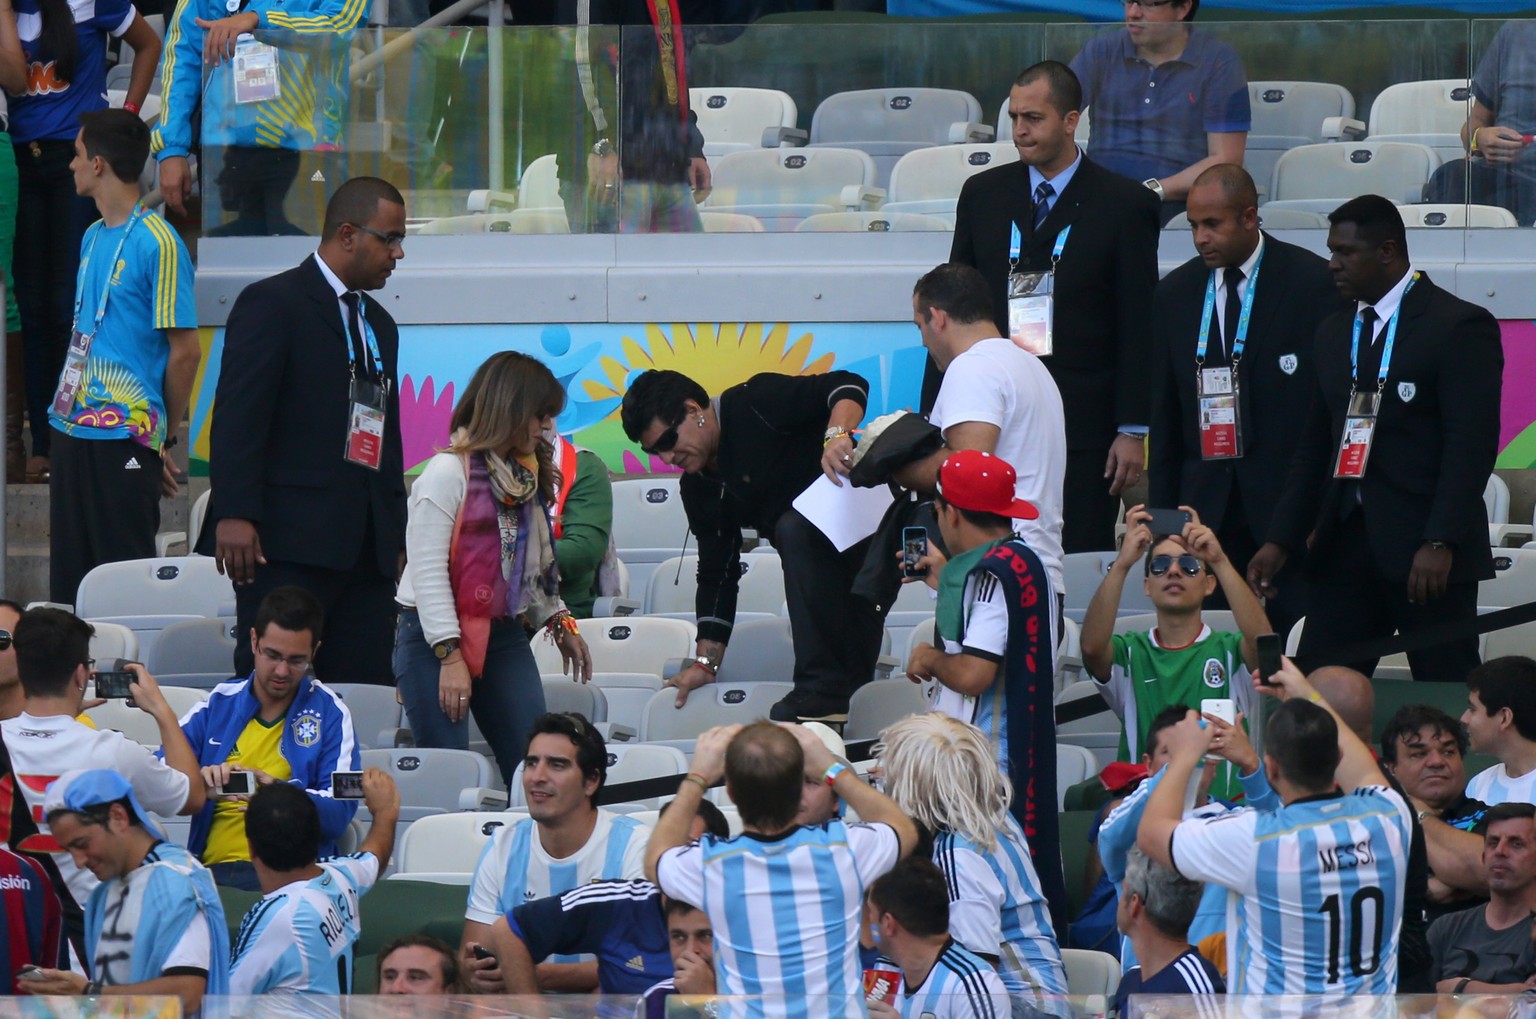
<point>1181,660</point>
<point>279,724</point>
<point>305,457</point>
<point>1167,102</point>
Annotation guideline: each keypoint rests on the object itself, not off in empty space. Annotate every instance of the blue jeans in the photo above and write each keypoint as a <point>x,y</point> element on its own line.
<point>239,874</point>
<point>505,700</point>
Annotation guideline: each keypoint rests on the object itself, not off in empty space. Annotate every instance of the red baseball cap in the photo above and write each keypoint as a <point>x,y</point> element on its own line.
<point>973,480</point>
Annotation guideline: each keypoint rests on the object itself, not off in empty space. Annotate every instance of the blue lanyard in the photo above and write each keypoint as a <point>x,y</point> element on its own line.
<point>1015,243</point>
<point>1242,320</point>
<point>368,338</point>
<point>106,288</point>
<point>1386,350</point>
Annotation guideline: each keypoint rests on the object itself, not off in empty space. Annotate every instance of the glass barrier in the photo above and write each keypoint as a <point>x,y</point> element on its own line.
<point>1268,1006</point>
<point>105,1007</point>
<point>862,127</point>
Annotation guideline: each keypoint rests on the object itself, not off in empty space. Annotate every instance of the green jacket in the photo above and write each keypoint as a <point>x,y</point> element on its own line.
<point>585,524</point>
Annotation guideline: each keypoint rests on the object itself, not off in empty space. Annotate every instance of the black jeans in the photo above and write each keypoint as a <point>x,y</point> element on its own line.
<point>836,635</point>
<point>50,223</point>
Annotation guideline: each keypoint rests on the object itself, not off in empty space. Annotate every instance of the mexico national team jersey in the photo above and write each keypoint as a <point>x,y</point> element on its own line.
<point>301,937</point>
<point>1315,891</point>
<point>960,986</point>
<point>1494,786</point>
<point>996,908</point>
<point>514,868</point>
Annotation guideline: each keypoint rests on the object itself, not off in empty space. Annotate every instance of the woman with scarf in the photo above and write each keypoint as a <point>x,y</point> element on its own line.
<point>481,579</point>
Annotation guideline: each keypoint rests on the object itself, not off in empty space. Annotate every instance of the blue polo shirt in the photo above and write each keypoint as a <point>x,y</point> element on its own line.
<point>1152,121</point>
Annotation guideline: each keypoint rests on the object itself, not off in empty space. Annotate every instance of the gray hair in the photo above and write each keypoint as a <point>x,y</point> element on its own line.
<point>1170,899</point>
<point>943,773</point>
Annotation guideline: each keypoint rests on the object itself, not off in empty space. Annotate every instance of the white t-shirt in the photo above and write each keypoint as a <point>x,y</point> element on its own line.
<point>997,383</point>
<point>1494,786</point>
<point>42,749</point>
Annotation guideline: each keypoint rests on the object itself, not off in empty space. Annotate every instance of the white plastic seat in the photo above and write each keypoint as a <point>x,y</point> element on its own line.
<point>1083,572</point>
<point>147,595</point>
<point>113,640</point>
<point>539,187</point>
<point>649,524</point>
<point>193,652</point>
<point>448,843</point>
<point>1099,732</point>
<point>1424,112</point>
<point>874,706</point>
<point>1091,973</point>
<point>1074,764</point>
<point>928,181</point>
<point>1281,218</point>
<point>888,123</point>
<point>137,725</point>
<point>1514,579</point>
<point>434,779</point>
<point>733,119</point>
<point>376,715</point>
<point>781,187</point>
<point>732,816</point>
<point>624,644</point>
<point>673,583</point>
<point>1288,114</point>
<point>627,693</point>
<point>708,707</point>
<point>872,222</point>
<point>1335,172</point>
<point>564,695</point>
<point>1457,215</point>
<point>515,221</point>
<point>730,223</point>
<point>1500,530</point>
<point>761,651</point>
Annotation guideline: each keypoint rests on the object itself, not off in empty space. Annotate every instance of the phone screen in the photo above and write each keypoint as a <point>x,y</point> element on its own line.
<point>347,785</point>
<point>1269,657</point>
<point>914,545</point>
<point>238,784</point>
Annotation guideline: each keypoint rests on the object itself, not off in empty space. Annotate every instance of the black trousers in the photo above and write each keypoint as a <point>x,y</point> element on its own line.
<point>836,635</point>
<point>103,507</point>
<point>1237,541</point>
<point>1089,512</point>
<point>358,640</point>
<point>1351,601</point>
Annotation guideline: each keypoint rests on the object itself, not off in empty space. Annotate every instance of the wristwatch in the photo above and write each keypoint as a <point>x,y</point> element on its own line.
<point>834,432</point>
<point>444,648</point>
<point>1438,545</point>
<point>708,664</point>
<point>1156,185</point>
<point>602,147</point>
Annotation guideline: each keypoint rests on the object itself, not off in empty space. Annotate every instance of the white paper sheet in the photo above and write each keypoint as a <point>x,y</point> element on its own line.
<point>846,515</point>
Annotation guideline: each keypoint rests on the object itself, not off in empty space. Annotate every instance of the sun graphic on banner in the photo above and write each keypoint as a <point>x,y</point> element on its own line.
<point>715,356</point>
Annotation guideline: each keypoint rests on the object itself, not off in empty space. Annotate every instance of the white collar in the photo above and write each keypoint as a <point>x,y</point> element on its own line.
<point>330,277</point>
<point>1389,303</point>
<point>1246,267</point>
<point>1060,181</point>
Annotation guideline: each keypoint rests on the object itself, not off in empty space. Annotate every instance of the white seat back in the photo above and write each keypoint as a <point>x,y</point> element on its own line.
<point>1074,764</point>
<point>163,586</point>
<point>432,777</point>
<point>203,647</point>
<point>892,114</point>
<point>515,221</point>
<point>708,707</point>
<point>539,187</point>
<point>449,843</point>
<point>1296,109</point>
<point>1427,112</point>
<point>113,640</point>
<point>1514,578</point>
<point>1090,972</point>
<point>871,222</point>
<point>375,713</point>
<point>874,706</point>
<point>1339,171</point>
<point>648,514</point>
<point>673,583</point>
<point>730,223</point>
<point>781,187</point>
<point>625,644</point>
<point>731,119</point>
<point>1457,215</point>
<point>563,695</point>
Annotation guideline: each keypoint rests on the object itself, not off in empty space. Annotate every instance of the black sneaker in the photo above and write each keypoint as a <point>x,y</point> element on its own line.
<point>804,706</point>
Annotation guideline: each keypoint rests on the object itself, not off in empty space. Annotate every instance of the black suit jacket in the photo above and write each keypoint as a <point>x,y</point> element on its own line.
<point>280,422</point>
<point>1436,440</point>
<point>1275,380</point>
<point>1104,284</point>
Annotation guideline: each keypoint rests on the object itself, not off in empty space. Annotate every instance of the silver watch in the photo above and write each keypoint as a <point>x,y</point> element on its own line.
<point>1156,186</point>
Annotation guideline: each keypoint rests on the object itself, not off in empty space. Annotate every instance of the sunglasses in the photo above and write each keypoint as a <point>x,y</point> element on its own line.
<point>664,442</point>
<point>1188,565</point>
<point>5,640</point>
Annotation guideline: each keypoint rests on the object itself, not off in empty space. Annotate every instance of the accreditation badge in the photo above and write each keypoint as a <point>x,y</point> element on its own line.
<point>1221,423</point>
<point>255,71</point>
<point>365,424</point>
<point>1031,310</point>
<point>1359,431</point>
<point>74,371</point>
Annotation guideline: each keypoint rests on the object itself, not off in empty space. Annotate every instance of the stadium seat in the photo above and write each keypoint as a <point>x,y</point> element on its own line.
<point>1500,530</point>
<point>761,651</point>
<point>1514,579</point>
<point>624,644</point>
<point>1083,135</point>
<point>733,119</point>
<point>879,704</point>
<point>649,524</point>
<point>376,714</point>
<point>563,694</point>
<point>1321,177</point>
<point>1391,668</point>
<point>627,694</point>
<point>137,725</point>
<point>1453,214</point>
<point>449,843</point>
<point>1218,620</point>
<point>1099,732</point>
<point>1091,973</point>
<point>515,221</point>
<point>1513,640</point>
<point>1288,114</point>
<point>113,640</point>
<point>1270,218</point>
<point>1424,112</point>
<point>194,652</point>
<point>1082,572</point>
<point>730,223</point>
<point>871,222</point>
<point>393,909</point>
<point>1069,654</point>
<point>673,583</point>
<point>539,187</point>
<point>928,181</point>
<point>147,595</point>
<point>887,123</point>
<point>626,763</point>
<point>434,780</point>
<point>1074,764</point>
<point>781,187</point>
<point>1074,826</point>
<point>708,707</point>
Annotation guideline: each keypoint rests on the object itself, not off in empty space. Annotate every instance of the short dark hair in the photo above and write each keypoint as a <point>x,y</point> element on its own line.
<point>293,609</point>
<point>1236,184</point>
<point>453,979</point>
<point>1508,682</point>
<point>118,137</point>
<point>956,289</point>
<point>1194,8</point>
<point>1410,718</point>
<point>1303,739</point>
<point>15,606</point>
<point>357,202</point>
<point>1066,90</point>
<point>1167,718</point>
<point>658,396</point>
<point>1512,810</point>
<point>714,821</point>
<point>50,644</point>
<point>765,767</point>
<point>916,894</point>
<point>977,518</point>
<point>283,827</point>
<point>100,813</point>
<point>1376,220</point>
<point>591,750</point>
<point>676,906</point>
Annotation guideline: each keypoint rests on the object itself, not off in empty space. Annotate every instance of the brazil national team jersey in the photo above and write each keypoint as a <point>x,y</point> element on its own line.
<point>260,747</point>
<point>301,937</point>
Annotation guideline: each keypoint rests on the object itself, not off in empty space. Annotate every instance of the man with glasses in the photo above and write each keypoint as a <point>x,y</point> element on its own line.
<point>278,725</point>
<point>305,456</point>
<point>1181,660</point>
<point>1167,102</point>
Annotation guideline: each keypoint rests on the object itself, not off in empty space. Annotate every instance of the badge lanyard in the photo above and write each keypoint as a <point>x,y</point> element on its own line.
<point>1032,296</point>
<point>1362,409</point>
<point>1386,348</point>
<point>73,372</point>
<point>1217,389</point>
<point>376,359</point>
<point>366,398</point>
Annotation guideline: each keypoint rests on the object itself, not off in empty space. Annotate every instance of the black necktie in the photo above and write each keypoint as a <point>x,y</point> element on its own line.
<point>355,334</point>
<point>1370,352</point>
<point>1043,195</point>
<point>1233,276</point>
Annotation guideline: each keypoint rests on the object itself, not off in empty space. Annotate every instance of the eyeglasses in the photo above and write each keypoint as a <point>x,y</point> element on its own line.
<point>1188,565</point>
<point>577,722</point>
<point>5,640</point>
<point>664,442</point>
<point>298,663</point>
<point>390,240</point>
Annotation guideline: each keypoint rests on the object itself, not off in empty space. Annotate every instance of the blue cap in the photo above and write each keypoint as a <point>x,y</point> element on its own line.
<point>82,789</point>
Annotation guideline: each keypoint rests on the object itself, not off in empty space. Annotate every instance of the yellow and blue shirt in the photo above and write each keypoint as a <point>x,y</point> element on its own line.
<point>259,747</point>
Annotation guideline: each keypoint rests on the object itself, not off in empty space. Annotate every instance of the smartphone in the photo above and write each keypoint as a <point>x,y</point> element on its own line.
<point>1223,708</point>
<point>29,972</point>
<point>914,545</point>
<point>481,952</point>
<point>1269,657</point>
<point>113,682</point>
<point>1168,521</point>
<point>347,785</point>
<point>238,784</point>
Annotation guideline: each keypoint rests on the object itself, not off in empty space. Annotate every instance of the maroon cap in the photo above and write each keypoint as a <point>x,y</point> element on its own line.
<point>983,483</point>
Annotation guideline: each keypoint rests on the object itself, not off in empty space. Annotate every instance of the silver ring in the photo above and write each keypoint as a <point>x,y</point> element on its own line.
<point>609,185</point>
<point>463,698</point>
<point>846,458</point>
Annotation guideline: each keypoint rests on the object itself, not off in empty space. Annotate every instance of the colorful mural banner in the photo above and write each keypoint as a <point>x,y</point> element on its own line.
<point>595,362</point>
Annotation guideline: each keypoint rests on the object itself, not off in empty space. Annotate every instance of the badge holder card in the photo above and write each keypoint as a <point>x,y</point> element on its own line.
<point>1221,426</point>
<point>255,71</point>
<point>1031,311</point>
<point>1359,432</point>
<point>74,371</point>
<point>365,425</point>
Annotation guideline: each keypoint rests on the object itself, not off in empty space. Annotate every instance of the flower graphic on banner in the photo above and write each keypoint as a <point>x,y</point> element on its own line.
<point>715,356</point>
<point>429,416</point>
